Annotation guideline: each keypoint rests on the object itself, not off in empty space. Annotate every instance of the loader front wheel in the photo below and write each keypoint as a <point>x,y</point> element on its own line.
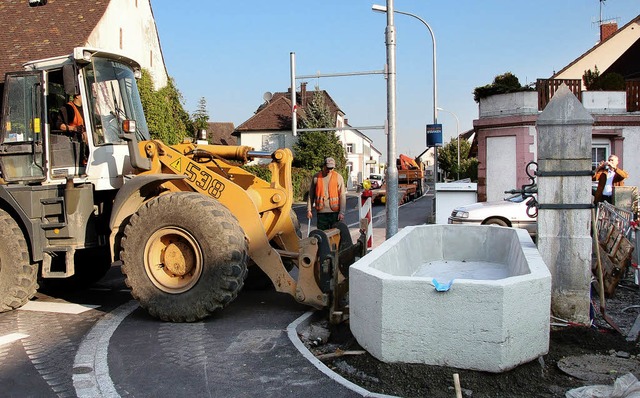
<point>184,256</point>
<point>18,276</point>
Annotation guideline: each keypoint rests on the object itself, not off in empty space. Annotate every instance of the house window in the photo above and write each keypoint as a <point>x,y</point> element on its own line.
<point>121,38</point>
<point>599,152</point>
<point>151,58</point>
<point>349,148</point>
<point>349,168</point>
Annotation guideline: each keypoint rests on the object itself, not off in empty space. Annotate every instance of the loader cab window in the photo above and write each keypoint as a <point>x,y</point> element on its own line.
<point>21,149</point>
<point>56,98</point>
<point>113,98</point>
<point>66,151</point>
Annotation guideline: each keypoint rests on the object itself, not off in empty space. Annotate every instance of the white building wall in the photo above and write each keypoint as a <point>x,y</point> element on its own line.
<point>139,36</point>
<point>501,155</point>
<point>359,171</point>
<point>630,162</point>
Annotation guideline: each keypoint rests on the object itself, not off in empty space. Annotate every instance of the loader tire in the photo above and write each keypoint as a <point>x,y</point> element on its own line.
<point>184,256</point>
<point>18,276</point>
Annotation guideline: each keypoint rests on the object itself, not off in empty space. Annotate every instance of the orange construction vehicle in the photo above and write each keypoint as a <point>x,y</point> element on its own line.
<point>186,222</point>
<point>410,181</point>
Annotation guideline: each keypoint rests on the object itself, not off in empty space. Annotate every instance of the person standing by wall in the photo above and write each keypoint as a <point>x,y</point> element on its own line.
<point>608,176</point>
<point>328,195</point>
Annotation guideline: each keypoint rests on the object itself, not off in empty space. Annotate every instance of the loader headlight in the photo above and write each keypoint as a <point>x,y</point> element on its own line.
<point>460,214</point>
<point>129,126</point>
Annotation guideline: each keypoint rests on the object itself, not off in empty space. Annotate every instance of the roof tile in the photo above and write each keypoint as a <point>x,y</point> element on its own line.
<point>31,33</point>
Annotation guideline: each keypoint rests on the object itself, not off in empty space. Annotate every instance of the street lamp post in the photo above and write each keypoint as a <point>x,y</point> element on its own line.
<point>380,8</point>
<point>392,169</point>
<point>457,135</point>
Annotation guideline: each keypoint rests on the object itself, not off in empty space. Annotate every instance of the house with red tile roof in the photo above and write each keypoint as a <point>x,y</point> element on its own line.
<point>506,128</point>
<point>270,128</point>
<point>221,133</point>
<point>55,27</point>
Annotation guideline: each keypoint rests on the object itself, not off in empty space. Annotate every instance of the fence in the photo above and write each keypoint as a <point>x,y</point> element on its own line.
<point>609,216</point>
<point>633,95</point>
<point>548,87</point>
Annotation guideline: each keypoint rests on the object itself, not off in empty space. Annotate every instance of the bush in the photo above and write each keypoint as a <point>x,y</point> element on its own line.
<point>611,81</point>
<point>502,84</point>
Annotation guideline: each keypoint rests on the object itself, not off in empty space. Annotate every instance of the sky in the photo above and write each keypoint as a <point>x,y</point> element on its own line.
<point>233,52</point>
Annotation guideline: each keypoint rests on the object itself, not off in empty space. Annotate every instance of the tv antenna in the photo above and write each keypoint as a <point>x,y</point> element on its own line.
<point>601,4</point>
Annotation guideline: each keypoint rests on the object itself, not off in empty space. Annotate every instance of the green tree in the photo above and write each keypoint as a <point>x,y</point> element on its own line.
<point>164,111</point>
<point>448,160</point>
<point>611,81</point>
<point>200,117</point>
<point>313,146</point>
<point>590,78</point>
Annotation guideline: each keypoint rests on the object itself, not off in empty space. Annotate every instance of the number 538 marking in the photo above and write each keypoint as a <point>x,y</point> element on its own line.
<point>204,180</point>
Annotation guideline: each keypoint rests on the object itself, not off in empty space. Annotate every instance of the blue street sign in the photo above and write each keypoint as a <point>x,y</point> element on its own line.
<point>434,135</point>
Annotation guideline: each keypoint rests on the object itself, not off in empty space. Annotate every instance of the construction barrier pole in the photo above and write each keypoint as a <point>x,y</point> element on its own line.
<point>364,211</point>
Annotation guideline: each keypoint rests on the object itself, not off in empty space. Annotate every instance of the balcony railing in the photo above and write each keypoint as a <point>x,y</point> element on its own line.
<point>633,95</point>
<point>548,87</point>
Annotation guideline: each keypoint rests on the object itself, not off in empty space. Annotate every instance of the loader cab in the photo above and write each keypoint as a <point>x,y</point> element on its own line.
<point>33,148</point>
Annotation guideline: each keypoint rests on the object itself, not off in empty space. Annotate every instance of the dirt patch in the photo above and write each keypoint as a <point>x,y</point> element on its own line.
<point>538,378</point>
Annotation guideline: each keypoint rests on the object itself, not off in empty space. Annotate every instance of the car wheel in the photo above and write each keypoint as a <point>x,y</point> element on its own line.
<point>496,221</point>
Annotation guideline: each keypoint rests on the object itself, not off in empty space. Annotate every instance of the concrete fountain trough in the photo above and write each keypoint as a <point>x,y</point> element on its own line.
<point>494,316</point>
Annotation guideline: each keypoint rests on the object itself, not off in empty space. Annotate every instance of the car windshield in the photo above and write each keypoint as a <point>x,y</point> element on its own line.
<point>375,177</point>
<point>517,198</point>
<point>114,97</point>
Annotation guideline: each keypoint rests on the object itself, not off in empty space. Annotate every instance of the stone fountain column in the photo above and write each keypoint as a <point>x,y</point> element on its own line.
<point>564,197</point>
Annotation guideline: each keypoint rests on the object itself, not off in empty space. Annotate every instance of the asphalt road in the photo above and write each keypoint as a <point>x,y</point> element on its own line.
<point>98,343</point>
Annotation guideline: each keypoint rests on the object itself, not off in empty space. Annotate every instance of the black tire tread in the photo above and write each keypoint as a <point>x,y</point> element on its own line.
<point>223,244</point>
<point>18,276</point>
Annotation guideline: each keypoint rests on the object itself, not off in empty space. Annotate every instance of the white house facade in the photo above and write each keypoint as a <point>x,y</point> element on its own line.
<point>128,27</point>
<point>270,128</point>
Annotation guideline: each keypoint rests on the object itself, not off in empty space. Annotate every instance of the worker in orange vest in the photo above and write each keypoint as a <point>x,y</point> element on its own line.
<point>72,123</point>
<point>328,195</point>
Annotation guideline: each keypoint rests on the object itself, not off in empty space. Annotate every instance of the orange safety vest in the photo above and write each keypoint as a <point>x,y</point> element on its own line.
<point>334,195</point>
<point>77,116</point>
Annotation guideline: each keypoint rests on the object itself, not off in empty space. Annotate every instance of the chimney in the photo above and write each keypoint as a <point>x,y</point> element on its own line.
<point>607,30</point>
<point>303,94</point>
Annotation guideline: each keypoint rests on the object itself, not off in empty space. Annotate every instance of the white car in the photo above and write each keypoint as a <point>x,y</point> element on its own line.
<point>509,212</point>
<point>376,180</point>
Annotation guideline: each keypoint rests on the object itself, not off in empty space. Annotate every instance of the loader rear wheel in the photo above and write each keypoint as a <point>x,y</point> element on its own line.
<point>18,276</point>
<point>184,256</point>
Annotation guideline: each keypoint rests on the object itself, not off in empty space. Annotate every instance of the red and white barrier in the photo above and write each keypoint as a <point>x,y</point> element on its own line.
<point>364,211</point>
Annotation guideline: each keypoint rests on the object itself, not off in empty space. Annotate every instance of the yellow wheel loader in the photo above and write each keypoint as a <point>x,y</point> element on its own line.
<point>186,221</point>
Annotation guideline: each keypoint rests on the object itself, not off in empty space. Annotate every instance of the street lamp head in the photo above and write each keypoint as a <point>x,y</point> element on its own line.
<point>379,8</point>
